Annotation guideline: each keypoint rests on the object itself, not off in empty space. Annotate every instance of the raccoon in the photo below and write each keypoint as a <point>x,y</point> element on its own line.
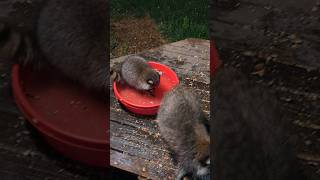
<point>68,35</point>
<point>184,126</point>
<point>137,73</point>
<point>72,35</point>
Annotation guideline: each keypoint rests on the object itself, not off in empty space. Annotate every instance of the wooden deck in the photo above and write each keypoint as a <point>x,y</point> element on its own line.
<point>276,43</point>
<point>136,145</point>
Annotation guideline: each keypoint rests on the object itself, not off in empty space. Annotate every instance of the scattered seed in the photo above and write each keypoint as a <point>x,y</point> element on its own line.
<point>259,66</point>
<point>26,153</point>
<point>308,142</point>
<point>249,53</point>
<point>314,9</point>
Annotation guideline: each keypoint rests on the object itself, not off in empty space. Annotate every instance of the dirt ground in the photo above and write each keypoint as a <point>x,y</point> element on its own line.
<point>131,35</point>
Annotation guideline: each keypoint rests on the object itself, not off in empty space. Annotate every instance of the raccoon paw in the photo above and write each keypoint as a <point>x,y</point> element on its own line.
<point>152,92</point>
<point>9,48</point>
<point>115,76</point>
<point>183,175</point>
<point>204,177</point>
<point>29,51</point>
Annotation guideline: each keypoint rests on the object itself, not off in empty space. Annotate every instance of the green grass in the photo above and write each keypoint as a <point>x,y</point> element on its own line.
<point>113,41</point>
<point>177,19</point>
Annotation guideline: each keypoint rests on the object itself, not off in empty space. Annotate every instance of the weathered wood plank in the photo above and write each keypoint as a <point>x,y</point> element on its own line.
<point>289,29</point>
<point>144,167</point>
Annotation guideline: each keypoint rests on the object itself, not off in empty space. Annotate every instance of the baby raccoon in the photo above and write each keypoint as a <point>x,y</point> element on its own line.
<point>72,35</point>
<point>249,139</point>
<point>184,127</point>
<point>137,73</point>
<point>69,35</point>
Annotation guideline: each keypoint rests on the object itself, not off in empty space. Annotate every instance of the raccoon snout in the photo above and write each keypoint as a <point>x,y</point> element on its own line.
<point>208,162</point>
<point>203,168</point>
<point>150,82</point>
<point>204,161</point>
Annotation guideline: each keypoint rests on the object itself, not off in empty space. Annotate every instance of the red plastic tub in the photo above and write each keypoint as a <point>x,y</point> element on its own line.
<point>215,62</point>
<point>69,118</point>
<point>142,103</point>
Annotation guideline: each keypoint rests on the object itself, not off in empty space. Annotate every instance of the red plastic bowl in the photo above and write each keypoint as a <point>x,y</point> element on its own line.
<point>68,117</point>
<point>215,62</point>
<point>142,103</point>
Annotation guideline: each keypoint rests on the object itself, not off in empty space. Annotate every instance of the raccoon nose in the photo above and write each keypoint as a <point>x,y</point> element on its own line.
<point>150,82</point>
<point>208,161</point>
<point>205,161</point>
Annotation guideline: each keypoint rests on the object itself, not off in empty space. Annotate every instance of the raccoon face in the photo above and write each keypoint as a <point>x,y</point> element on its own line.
<point>203,168</point>
<point>151,79</point>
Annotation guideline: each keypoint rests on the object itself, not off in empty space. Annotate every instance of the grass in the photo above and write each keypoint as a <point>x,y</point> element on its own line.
<point>177,19</point>
<point>113,41</point>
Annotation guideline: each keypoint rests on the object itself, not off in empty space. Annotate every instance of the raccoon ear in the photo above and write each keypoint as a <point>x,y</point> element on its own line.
<point>150,81</point>
<point>159,75</point>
